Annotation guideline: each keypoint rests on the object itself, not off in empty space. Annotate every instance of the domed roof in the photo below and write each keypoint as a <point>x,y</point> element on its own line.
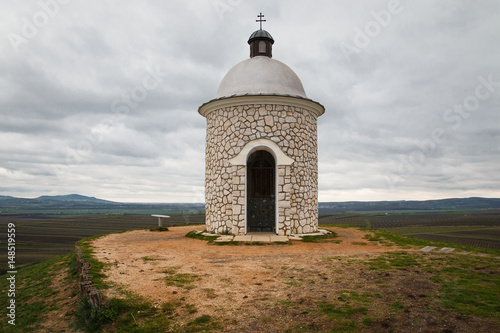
<point>261,34</point>
<point>261,76</point>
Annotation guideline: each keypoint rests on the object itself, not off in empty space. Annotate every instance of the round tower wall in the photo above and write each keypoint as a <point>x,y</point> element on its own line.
<point>294,130</point>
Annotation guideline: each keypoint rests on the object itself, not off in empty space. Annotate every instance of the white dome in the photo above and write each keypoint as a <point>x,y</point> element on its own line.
<point>261,76</point>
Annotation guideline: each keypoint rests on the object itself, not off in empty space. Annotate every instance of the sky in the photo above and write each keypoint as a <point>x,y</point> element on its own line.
<point>101,98</point>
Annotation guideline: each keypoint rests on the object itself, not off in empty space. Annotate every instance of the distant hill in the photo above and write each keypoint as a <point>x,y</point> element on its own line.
<point>71,201</point>
<point>443,204</point>
<point>76,201</point>
<point>85,204</point>
<point>73,197</point>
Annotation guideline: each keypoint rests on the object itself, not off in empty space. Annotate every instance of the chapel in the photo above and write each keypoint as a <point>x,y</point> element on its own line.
<point>261,148</point>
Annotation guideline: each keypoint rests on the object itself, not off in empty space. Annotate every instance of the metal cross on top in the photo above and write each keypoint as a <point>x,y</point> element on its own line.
<point>260,20</point>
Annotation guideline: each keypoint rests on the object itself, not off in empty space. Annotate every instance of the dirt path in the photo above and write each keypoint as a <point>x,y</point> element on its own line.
<point>228,279</point>
<point>280,288</point>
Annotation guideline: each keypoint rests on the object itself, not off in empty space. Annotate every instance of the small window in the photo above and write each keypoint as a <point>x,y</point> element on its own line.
<point>262,47</point>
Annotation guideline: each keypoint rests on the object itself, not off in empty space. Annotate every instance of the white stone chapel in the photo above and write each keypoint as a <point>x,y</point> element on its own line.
<point>261,148</point>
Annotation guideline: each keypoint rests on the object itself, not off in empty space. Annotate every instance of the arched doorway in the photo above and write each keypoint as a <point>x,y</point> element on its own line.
<point>261,192</point>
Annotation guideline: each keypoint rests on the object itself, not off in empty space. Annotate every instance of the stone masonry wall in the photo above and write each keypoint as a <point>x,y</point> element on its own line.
<point>294,130</point>
<point>87,288</point>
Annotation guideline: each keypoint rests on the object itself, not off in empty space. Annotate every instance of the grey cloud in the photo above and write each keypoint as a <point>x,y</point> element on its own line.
<point>57,95</point>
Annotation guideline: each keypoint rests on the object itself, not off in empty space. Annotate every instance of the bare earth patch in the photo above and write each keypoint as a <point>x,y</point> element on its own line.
<point>61,318</point>
<point>274,288</point>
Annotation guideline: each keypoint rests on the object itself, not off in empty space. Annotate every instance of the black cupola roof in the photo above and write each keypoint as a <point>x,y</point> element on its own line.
<point>261,35</point>
<point>261,44</point>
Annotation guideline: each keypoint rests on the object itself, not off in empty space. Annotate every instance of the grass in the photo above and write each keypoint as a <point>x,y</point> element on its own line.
<point>34,295</point>
<point>374,238</point>
<point>397,306</point>
<point>342,311</point>
<point>461,286</point>
<point>202,323</point>
<point>342,315</point>
<point>468,284</point>
<point>96,267</point>
<point>320,238</point>
<point>116,310</point>
<point>146,258</point>
<point>285,303</point>
<point>394,260</point>
<point>210,293</point>
<point>169,307</point>
<point>359,298</point>
<point>190,308</point>
<point>367,321</point>
<point>198,235</point>
<point>181,280</point>
<point>230,243</point>
<point>160,229</point>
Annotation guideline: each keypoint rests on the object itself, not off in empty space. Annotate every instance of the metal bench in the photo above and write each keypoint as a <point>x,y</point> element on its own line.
<point>160,219</point>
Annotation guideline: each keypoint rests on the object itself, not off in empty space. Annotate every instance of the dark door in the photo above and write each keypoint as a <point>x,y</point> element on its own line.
<point>261,198</point>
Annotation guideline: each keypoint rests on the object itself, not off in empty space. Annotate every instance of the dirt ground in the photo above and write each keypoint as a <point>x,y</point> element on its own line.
<point>61,318</point>
<point>274,287</point>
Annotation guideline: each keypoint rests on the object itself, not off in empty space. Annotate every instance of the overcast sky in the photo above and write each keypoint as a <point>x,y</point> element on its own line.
<point>100,98</point>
